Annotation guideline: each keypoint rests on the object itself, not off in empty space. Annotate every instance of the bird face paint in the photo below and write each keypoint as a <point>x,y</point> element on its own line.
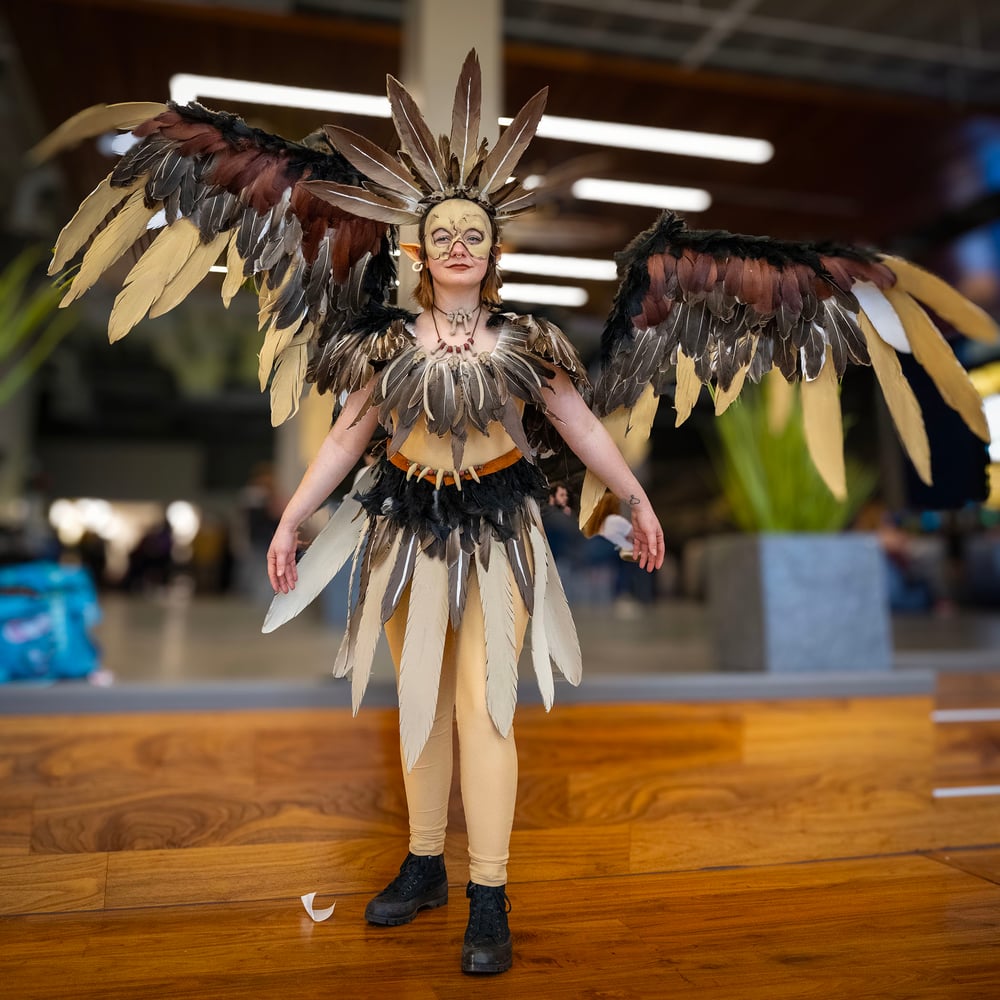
<point>457,221</point>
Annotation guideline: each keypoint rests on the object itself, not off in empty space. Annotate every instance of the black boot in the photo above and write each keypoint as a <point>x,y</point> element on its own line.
<point>487,946</point>
<point>422,883</point>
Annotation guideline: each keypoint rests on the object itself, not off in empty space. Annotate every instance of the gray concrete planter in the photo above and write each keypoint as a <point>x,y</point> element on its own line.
<point>797,603</point>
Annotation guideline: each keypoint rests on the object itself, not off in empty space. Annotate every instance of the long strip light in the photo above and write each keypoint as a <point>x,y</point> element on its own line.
<point>708,145</point>
<point>186,87</point>
<point>554,295</point>
<point>581,268</point>
<point>682,199</point>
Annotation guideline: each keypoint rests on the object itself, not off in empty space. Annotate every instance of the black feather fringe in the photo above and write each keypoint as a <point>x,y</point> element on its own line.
<point>493,507</point>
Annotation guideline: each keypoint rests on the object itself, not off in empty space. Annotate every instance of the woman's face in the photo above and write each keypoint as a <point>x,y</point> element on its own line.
<point>457,242</point>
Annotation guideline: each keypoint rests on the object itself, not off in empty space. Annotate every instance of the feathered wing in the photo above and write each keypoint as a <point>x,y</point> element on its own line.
<point>200,186</point>
<point>712,308</point>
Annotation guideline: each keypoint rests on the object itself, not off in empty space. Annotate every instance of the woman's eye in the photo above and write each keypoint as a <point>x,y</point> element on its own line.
<point>441,239</point>
<point>474,236</point>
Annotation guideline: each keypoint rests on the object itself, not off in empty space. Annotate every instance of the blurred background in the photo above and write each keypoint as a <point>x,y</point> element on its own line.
<point>140,483</point>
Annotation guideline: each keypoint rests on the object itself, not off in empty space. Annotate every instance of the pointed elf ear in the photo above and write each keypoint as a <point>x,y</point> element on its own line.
<point>412,250</point>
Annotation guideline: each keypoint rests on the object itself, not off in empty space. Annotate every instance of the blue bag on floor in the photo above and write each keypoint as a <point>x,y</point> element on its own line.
<point>46,614</point>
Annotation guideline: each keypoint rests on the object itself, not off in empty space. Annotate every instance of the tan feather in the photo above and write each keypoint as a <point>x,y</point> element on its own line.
<point>323,559</point>
<point>286,385</point>
<point>277,338</point>
<point>369,627</point>
<point>780,401</point>
<point>725,397</point>
<point>91,213</point>
<point>152,272</point>
<point>234,279</point>
<point>947,302</point>
<point>374,162</point>
<point>824,427</point>
<point>465,114</point>
<point>502,161</point>
<point>194,270</point>
<point>933,353</point>
<point>497,595</point>
<point>688,387</point>
<point>591,494</point>
<point>414,135</point>
<point>539,640</point>
<point>109,244</point>
<point>564,646</point>
<point>342,664</point>
<point>93,121</point>
<point>640,422</point>
<point>423,648</point>
<point>357,201</point>
<point>900,399</point>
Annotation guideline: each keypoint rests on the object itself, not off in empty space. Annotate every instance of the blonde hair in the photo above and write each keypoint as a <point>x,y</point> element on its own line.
<point>489,288</point>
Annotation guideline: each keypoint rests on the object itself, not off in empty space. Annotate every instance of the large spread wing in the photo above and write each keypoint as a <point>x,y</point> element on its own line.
<point>712,308</point>
<point>200,187</point>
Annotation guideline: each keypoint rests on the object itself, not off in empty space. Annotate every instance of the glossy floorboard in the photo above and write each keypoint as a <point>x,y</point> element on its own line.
<point>733,850</point>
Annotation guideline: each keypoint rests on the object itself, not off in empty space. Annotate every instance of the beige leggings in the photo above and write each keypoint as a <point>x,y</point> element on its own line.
<point>487,761</point>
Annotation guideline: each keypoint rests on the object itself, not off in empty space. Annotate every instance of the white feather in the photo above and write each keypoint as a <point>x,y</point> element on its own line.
<point>883,317</point>
<point>323,559</point>
<point>423,648</point>
<point>497,596</point>
<point>539,640</point>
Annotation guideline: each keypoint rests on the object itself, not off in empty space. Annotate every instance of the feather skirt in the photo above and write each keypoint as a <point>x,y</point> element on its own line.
<point>404,533</point>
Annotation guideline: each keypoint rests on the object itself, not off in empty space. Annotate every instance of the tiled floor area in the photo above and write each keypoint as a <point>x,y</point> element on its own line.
<point>173,650</point>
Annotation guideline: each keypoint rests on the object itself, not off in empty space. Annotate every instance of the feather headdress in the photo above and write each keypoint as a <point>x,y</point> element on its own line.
<point>402,189</point>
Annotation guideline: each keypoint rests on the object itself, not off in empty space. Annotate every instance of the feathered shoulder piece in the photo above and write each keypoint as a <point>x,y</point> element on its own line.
<point>545,340</point>
<point>714,308</point>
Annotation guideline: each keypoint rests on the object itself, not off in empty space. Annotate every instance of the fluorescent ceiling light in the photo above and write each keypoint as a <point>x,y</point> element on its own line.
<point>580,268</point>
<point>186,87</point>
<point>656,140</point>
<point>681,199</point>
<point>555,295</point>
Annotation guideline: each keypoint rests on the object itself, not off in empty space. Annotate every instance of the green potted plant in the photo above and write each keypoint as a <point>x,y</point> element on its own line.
<point>793,592</point>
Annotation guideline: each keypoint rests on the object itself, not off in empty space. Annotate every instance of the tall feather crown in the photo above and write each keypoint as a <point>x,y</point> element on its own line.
<point>402,189</point>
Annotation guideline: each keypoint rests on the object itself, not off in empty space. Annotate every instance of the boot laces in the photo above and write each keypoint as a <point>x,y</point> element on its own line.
<point>412,874</point>
<point>488,912</point>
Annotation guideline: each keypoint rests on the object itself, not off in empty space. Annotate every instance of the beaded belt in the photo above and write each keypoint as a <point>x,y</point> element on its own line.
<point>453,477</point>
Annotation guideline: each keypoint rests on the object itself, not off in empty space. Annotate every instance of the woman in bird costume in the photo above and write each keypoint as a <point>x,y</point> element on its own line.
<point>443,535</point>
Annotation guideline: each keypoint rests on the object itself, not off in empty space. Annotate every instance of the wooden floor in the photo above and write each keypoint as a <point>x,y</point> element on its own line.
<point>813,849</point>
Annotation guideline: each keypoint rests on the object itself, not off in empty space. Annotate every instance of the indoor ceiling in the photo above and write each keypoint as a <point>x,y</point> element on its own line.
<point>877,110</point>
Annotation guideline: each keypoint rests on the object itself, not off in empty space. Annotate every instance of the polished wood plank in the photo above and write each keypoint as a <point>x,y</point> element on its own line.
<point>843,929</point>
<point>967,690</point>
<point>982,863</point>
<point>52,884</point>
<point>163,855</point>
<point>967,753</point>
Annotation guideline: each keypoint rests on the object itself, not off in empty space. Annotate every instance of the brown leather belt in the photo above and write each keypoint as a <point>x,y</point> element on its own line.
<point>448,479</point>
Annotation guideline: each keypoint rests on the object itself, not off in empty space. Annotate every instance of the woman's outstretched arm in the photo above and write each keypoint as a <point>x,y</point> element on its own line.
<point>592,444</point>
<point>337,455</point>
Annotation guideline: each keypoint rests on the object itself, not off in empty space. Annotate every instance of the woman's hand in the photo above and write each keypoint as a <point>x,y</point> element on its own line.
<point>648,548</point>
<point>281,567</point>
